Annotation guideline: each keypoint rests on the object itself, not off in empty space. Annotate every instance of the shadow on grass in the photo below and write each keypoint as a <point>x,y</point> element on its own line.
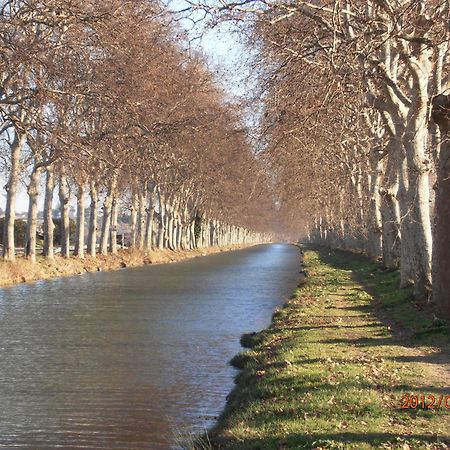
<point>333,440</point>
<point>264,384</point>
<point>335,327</point>
<point>361,342</point>
<point>410,324</point>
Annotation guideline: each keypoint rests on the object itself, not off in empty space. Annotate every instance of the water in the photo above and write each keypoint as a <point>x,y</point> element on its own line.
<point>133,358</point>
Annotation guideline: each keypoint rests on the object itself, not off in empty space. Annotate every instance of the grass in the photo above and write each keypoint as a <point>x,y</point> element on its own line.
<point>331,370</point>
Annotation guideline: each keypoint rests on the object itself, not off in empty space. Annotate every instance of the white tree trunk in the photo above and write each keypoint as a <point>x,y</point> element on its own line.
<point>49,227</point>
<point>9,250</point>
<point>79,236</point>
<point>64,208</point>
<point>133,219</point>
<point>114,224</point>
<point>93,214</point>
<point>374,244</point>
<point>149,222</point>
<point>32,221</point>
<point>390,213</point>
<point>161,221</point>
<point>441,263</point>
<point>106,220</point>
<point>418,194</point>
<point>141,220</point>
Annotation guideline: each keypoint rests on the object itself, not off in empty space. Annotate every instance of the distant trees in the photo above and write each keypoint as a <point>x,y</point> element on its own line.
<point>100,102</point>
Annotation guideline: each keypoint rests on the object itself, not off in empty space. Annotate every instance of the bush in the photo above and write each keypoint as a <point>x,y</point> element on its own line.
<point>20,229</point>
<point>57,237</point>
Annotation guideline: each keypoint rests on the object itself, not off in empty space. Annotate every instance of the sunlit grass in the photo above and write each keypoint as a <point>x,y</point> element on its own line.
<point>330,371</point>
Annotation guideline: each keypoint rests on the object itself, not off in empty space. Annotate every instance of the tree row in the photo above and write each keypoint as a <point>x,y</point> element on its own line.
<point>103,104</point>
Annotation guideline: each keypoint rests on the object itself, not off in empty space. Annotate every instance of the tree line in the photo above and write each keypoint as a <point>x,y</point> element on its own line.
<point>355,126</point>
<point>104,102</point>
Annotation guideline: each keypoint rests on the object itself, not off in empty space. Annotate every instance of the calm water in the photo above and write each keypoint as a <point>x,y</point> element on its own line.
<point>134,358</point>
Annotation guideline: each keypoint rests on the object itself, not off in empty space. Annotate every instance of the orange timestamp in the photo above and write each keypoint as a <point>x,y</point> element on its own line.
<point>425,401</point>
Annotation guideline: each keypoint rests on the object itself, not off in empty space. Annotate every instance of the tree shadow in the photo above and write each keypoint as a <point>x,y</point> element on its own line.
<point>331,440</point>
<point>361,342</point>
<point>438,336</point>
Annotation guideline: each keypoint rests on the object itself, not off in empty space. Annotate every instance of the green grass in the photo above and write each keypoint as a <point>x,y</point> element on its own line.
<point>421,321</point>
<point>331,370</point>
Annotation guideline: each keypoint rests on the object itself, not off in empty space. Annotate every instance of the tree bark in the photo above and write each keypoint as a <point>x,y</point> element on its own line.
<point>149,223</point>
<point>33,194</point>
<point>407,245</point>
<point>390,213</point>
<point>106,220</point>
<point>79,237</point>
<point>9,249</point>
<point>48,250</point>
<point>64,208</point>
<point>133,219</point>
<point>418,195</point>
<point>114,224</point>
<point>161,221</point>
<point>374,238</point>
<point>441,269</point>
<point>93,214</point>
<point>141,220</point>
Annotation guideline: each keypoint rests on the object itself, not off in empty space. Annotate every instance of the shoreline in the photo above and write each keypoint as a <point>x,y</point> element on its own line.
<point>331,371</point>
<point>23,271</point>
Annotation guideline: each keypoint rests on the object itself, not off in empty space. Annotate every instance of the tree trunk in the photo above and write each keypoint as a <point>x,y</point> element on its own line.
<point>407,246</point>
<point>106,221</point>
<point>49,227</point>
<point>93,212</point>
<point>141,221</point>
<point>441,269</point>
<point>390,211</point>
<point>149,223</point>
<point>374,238</point>
<point>79,237</point>
<point>418,195</point>
<point>161,221</point>
<point>33,194</point>
<point>114,223</point>
<point>169,227</point>
<point>9,250</point>
<point>64,208</point>
<point>133,219</point>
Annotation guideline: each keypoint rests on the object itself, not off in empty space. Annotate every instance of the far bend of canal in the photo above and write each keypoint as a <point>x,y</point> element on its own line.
<point>132,359</point>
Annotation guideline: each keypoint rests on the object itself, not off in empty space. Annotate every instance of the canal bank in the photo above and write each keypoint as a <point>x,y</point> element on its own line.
<point>339,368</point>
<point>24,271</point>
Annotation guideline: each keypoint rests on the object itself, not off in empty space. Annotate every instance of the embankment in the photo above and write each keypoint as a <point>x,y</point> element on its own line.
<point>340,366</point>
<point>23,271</point>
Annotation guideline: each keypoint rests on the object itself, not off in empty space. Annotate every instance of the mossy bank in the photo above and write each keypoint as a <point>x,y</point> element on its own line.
<point>336,365</point>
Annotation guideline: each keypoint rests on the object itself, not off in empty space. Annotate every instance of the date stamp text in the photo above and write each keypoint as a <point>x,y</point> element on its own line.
<point>425,401</point>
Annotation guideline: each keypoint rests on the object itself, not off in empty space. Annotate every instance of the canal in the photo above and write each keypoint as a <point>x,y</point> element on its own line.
<point>136,358</point>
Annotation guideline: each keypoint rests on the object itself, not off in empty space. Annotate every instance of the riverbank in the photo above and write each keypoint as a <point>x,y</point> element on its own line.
<point>23,271</point>
<point>336,366</point>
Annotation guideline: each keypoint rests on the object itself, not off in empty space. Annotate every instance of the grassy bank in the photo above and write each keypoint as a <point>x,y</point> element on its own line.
<point>331,371</point>
<point>23,271</point>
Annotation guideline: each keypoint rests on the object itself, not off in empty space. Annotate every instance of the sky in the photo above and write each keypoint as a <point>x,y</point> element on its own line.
<point>226,54</point>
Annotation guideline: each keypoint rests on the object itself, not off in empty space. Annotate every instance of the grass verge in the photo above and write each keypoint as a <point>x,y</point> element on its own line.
<point>331,371</point>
